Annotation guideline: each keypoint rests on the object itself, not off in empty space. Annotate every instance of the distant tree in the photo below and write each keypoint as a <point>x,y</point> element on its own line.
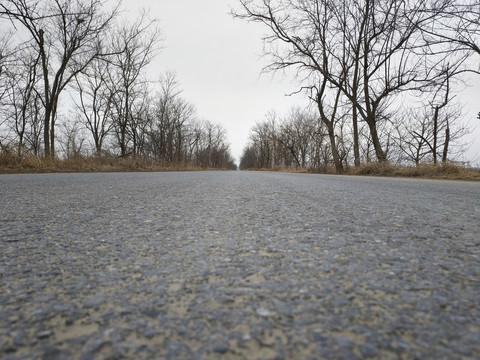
<point>249,158</point>
<point>95,101</point>
<point>72,140</point>
<point>171,128</point>
<point>23,97</point>
<point>428,133</point>
<point>213,150</point>
<point>412,136</point>
<point>7,58</point>
<point>134,46</point>
<point>298,139</point>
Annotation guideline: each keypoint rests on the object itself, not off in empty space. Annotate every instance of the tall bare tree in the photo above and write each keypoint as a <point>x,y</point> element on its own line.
<point>172,117</point>
<point>67,37</point>
<point>367,51</point>
<point>95,101</point>
<point>134,45</point>
<point>23,96</point>
<point>454,25</point>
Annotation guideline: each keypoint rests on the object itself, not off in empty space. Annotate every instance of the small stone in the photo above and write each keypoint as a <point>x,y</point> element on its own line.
<point>221,347</point>
<point>369,350</point>
<point>246,337</point>
<point>263,312</point>
<point>44,334</point>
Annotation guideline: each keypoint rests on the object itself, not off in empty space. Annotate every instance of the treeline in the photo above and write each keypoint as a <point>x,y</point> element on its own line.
<point>73,83</point>
<point>381,76</point>
<point>300,140</point>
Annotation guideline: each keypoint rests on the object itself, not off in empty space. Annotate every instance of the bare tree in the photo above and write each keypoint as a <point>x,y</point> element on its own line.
<point>22,96</point>
<point>66,35</point>
<point>95,101</point>
<point>72,140</point>
<point>134,45</point>
<point>33,137</point>
<point>412,135</point>
<point>7,60</point>
<point>249,159</point>
<point>297,139</point>
<point>366,51</point>
<point>214,150</point>
<point>431,132</point>
<point>454,26</point>
<point>171,119</point>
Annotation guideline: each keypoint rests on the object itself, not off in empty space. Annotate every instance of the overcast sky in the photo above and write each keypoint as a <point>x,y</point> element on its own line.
<point>218,63</point>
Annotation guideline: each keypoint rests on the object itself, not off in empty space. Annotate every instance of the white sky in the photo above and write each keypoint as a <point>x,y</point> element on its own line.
<point>218,62</point>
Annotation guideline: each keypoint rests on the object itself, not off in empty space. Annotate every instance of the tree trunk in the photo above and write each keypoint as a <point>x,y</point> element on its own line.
<point>435,135</point>
<point>445,145</point>
<point>333,144</point>
<point>46,131</point>
<point>356,146</point>
<point>381,155</point>
<point>52,136</point>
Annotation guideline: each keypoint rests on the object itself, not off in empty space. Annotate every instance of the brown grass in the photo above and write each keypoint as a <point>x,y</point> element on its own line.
<point>441,171</point>
<point>297,170</point>
<point>33,164</point>
<point>10,163</point>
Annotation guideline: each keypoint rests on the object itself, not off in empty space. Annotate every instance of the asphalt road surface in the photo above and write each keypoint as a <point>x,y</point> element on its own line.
<point>238,265</point>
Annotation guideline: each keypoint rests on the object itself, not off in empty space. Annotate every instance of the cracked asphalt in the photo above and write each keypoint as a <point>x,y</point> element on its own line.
<point>238,265</point>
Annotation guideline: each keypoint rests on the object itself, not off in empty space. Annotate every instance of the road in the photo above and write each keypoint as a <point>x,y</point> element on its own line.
<point>238,265</point>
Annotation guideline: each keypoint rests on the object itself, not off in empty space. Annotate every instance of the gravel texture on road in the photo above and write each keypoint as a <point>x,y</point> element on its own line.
<point>238,265</point>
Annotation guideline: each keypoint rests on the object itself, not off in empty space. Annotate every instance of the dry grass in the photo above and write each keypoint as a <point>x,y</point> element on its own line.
<point>441,171</point>
<point>33,164</point>
<point>291,169</point>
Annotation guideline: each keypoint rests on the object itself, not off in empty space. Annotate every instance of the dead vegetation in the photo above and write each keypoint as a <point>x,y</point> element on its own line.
<point>446,171</point>
<point>11,163</point>
<point>33,164</point>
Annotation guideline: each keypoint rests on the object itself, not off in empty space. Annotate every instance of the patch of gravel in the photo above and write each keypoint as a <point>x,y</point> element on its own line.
<point>238,265</point>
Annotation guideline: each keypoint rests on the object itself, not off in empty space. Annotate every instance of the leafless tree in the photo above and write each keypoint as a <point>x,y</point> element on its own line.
<point>426,133</point>
<point>34,136</point>
<point>261,138</point>
<point>171,126</point>
<point>213,150</point>
<point>72,139</point>
<point>297,139</point>
<point>134,46</point>
<point>7,60</point>
<point>66,35</point>
<point>297,132</point>
<point>412,135</point>
<point>454,26</point>
<point>249,159</point>
<point>95,101</point>
<point>22,96</point>
<point>367,52</point>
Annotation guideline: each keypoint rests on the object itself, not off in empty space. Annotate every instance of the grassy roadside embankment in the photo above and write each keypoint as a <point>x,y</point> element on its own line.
<point>425,171</point>
<point>32,164</point>
<point>10,164</point>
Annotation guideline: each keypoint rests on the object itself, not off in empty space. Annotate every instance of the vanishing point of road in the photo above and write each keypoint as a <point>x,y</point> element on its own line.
<point>238,265</point>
